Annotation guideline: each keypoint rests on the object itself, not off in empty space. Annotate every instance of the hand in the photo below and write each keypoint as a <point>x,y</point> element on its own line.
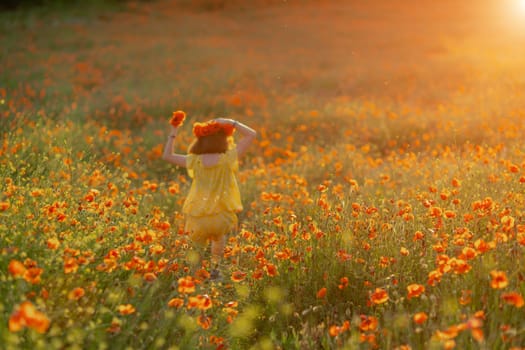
<point>224,121</point>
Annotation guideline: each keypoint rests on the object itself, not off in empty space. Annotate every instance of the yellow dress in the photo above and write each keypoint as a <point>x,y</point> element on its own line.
<point>214,197</point>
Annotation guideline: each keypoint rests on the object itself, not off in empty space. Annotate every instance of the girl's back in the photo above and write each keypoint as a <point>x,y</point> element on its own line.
<point>214,186</point>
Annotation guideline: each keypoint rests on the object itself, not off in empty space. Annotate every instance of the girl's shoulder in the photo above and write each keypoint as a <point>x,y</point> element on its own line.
<point>231,153</point>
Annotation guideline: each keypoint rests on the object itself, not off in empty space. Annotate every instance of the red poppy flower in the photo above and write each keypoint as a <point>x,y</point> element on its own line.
<point>26,315</point>
<point>499,279</point>
<point>177,118</point>
<point>420,317</point>
<point>238,276</point>
<point>379,296</point>
<point>513,298</point>
<point>321,293</point>
<point>415,290</point>
<point>126,309</point>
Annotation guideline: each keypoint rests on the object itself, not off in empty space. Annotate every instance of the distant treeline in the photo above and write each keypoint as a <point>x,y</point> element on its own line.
<point>16,4</point>
<point>195,4</point>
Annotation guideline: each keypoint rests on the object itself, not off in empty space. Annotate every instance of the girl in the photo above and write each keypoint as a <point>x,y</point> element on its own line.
<point>214,198</point>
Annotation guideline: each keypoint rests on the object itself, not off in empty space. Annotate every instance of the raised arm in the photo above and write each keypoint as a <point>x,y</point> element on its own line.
<point>177,159</point>
<point>247,134</point>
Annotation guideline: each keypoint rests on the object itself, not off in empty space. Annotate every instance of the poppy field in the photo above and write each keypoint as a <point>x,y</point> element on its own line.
<point>384,197</point>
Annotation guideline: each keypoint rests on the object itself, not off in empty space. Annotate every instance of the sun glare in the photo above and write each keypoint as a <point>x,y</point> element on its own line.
<point>513,15</point>
<point>520,7</point>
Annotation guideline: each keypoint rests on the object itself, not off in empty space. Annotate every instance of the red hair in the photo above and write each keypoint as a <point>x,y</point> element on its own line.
<point>214,143</point>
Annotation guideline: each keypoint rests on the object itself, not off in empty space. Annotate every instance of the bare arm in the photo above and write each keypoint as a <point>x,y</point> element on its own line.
<point>247,135</point>
<point>168,155</point>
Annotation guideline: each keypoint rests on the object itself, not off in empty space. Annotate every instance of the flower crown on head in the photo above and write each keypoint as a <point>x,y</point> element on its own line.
<point>212,127</point>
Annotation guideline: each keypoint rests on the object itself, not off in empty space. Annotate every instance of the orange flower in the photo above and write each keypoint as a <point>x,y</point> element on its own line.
<point>231,311</point>
<point>186,285</point>
<point>403,347</point>
<point>32,275</point>
<point>448,334</point>
<point>475,324</point>
<point>449,344</point>
<point>114,327</point>
<point>415,290</point>
<point>368,323</point>
<point>257,274</point>
<point>29,263</point>
<point>76,293</point>
<point>449,214</point>
<point>126,309</point>
<point>477,333</point>
<point>204,321</point>
<point>26,315</point>
<point>499,279</point>
<point>202,274</point>
<point>379,296</point>
<point>482,246</point>
<point>334,330</point>
<point>53,243</point>
<point>271,270</point>
<point>508,222</point>
<point>343,283</point>
<point>238,276</point>
<point>456,183</point>
<point>16,268</point>
<point>321,293</point>
<point>201,302</point>
<point>418,235</point>
<point>70,265</point>
<point>157,249</point>
<point>150,277</point>
<point>459,266</point>
<point>420,317</point>
<point>219,341</point>
<point>4,206</point>
<point>435,212</point>
<point>468,253</point>
<point>177,118</point>
<point>513,298</point>
<point>174,189</point>
<point>513,168</point>
<point>175,302</point>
